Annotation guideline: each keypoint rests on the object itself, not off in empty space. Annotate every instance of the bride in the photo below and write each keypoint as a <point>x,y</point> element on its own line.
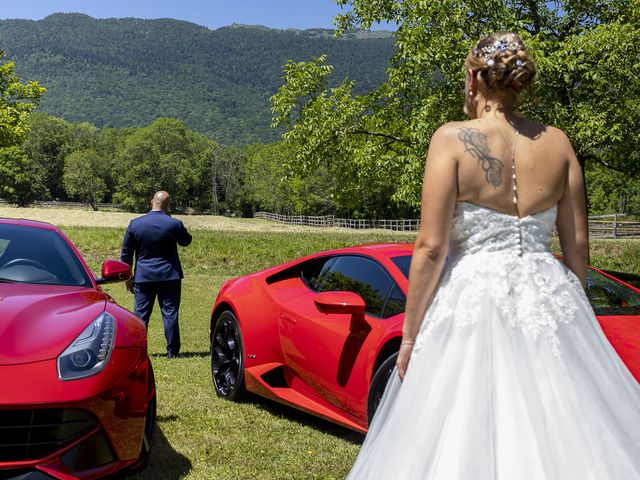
<point>503,371</point>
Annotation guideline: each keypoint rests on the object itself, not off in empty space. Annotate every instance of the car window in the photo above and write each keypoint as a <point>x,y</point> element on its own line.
<point>314,271</point>
<point>609,297</point>
<point>395,303</point>
<point>403,263</point>
<point>36,255</point>
<point>360,275</point>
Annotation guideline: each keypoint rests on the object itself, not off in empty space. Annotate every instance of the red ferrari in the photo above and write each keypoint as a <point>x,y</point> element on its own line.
<point>321,333</point>
<point>78,394</point>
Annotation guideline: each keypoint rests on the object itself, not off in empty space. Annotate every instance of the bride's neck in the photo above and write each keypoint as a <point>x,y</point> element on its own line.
<point>495,108</point>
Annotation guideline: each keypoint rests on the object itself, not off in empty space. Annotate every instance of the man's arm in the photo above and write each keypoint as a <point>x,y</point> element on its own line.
<point>128,247</point>
<point>184,237</point>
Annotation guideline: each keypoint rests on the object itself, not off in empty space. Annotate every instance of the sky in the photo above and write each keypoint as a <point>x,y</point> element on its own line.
<point>282,14</point>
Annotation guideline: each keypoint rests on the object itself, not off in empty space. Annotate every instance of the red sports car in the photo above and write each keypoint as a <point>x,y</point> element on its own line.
<point>77,394</point>
<point>321,333</point>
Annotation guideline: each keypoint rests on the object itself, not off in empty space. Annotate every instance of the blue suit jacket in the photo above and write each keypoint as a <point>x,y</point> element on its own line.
<point>154,239</point>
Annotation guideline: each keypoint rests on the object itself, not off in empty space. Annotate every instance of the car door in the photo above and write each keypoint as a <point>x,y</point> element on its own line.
<point>324,349</point>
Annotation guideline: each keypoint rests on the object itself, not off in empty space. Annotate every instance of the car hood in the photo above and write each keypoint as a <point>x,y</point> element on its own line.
<point>37,322</point>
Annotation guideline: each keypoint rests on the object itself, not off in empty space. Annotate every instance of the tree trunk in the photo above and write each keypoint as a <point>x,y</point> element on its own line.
<point>215,206</point>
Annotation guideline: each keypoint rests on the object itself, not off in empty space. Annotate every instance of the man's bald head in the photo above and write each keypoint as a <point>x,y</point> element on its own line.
<point>160,201</point>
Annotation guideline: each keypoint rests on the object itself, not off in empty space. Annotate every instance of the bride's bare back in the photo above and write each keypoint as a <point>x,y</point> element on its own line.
<point>483,152</point>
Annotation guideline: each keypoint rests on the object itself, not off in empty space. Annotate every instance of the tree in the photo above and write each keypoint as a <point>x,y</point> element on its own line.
<point>17,100</point>
<point>20,180</point>
<point>47,143</point>
<point>610,191</point>
<point>226,180</point>
<point>163,156</point>
<point>81,177</point>
<point>588,85</point>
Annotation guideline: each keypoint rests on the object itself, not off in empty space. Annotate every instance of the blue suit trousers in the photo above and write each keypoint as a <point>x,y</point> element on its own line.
<point>168,293</point>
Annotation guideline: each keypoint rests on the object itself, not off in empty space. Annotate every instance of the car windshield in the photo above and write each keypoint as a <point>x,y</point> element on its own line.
<point>607,296</point>
<point>37,255</point>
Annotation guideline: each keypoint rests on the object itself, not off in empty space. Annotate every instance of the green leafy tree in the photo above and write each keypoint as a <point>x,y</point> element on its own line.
<point>588,85</point>
<point>20,180</point>
<point>81,176</point>
<point>163,156</point>
<point>226,180</point>
<point>610,191</point>
<point>47,143</point>
<point>268,184</point>
<point>17,100</point>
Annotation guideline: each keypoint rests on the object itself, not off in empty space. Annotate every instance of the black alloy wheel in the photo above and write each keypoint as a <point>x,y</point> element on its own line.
<point>149,425</point>
<point>378,385</point>
<point>227,357</point>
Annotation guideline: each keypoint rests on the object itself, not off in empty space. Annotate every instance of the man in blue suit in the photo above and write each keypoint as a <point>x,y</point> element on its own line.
<point>154,239</point>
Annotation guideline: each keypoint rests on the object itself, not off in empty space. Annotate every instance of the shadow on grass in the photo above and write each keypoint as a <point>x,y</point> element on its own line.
<point>299,416</point>
<point>165,463</point>
<point>183,355</point>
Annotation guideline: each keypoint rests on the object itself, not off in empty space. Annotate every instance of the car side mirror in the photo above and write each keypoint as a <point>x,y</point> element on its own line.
<point>340,302</point>
<point>114,271</point>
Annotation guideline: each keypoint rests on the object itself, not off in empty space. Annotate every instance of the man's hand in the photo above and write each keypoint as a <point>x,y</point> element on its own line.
<point>129,284</point>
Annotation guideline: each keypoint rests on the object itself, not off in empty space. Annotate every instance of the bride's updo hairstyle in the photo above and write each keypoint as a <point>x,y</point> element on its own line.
<point>503,63</point>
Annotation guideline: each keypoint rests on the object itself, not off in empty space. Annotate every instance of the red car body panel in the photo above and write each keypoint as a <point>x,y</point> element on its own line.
<point>324,362</point>
<point>37,323</point>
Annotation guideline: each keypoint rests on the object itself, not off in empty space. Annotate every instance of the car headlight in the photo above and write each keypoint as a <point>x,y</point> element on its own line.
<point>89,353</point>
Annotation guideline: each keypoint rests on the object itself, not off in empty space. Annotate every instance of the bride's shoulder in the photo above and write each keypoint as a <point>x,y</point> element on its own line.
<point>555,132</point>
<point>452,129</point>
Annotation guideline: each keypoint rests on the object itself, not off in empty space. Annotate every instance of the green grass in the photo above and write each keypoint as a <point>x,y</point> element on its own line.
<point>203,437</point>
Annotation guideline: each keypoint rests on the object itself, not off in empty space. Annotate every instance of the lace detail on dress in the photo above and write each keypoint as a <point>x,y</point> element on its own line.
<point>501,269</point>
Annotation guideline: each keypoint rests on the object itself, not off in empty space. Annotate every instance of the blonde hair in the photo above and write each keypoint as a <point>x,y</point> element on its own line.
<point>503,62</point>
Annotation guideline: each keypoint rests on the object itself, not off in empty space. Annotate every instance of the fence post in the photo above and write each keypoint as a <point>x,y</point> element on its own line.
<point>615,225</point>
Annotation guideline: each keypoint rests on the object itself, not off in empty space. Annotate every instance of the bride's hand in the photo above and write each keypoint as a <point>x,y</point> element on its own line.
<point>404,354</point>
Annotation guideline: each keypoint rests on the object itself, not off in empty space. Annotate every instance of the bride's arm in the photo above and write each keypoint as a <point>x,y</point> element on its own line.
<point>439,194</point>
<point>572,222</point>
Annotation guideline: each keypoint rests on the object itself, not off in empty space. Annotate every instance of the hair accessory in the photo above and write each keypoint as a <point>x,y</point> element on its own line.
<point>519,62</point>
<point>502,45</point>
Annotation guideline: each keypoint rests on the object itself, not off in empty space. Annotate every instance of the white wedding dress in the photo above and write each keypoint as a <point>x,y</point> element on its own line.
<point>511,377</point>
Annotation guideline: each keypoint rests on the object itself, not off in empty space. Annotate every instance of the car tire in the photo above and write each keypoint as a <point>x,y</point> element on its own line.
<point>227,357</point>
<point>149,425</point>
<point>378,385</point>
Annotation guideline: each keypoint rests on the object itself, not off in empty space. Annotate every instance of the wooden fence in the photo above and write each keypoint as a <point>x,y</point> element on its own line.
<point>600,226</point>
<point>610,226</point>
<point>401,225</point>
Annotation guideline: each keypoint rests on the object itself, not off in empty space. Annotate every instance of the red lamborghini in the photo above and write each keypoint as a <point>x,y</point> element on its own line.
<point>321,333</point>
<point>77,394</point>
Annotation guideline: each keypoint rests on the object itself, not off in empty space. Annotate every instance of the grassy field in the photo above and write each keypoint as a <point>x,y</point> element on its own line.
<point>200,436</point>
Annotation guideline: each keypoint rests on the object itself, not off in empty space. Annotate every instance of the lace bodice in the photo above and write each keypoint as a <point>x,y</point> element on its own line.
<point>481,229</point>
<point>506,261</point>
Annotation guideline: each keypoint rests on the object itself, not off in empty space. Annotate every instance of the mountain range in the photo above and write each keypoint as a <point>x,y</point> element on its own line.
<point>127,72</point>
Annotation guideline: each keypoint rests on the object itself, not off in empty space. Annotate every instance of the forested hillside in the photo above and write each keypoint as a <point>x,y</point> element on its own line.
<point>127,72</point>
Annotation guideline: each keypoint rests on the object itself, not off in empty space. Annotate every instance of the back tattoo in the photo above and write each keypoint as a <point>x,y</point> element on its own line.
<point>475,142</point>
